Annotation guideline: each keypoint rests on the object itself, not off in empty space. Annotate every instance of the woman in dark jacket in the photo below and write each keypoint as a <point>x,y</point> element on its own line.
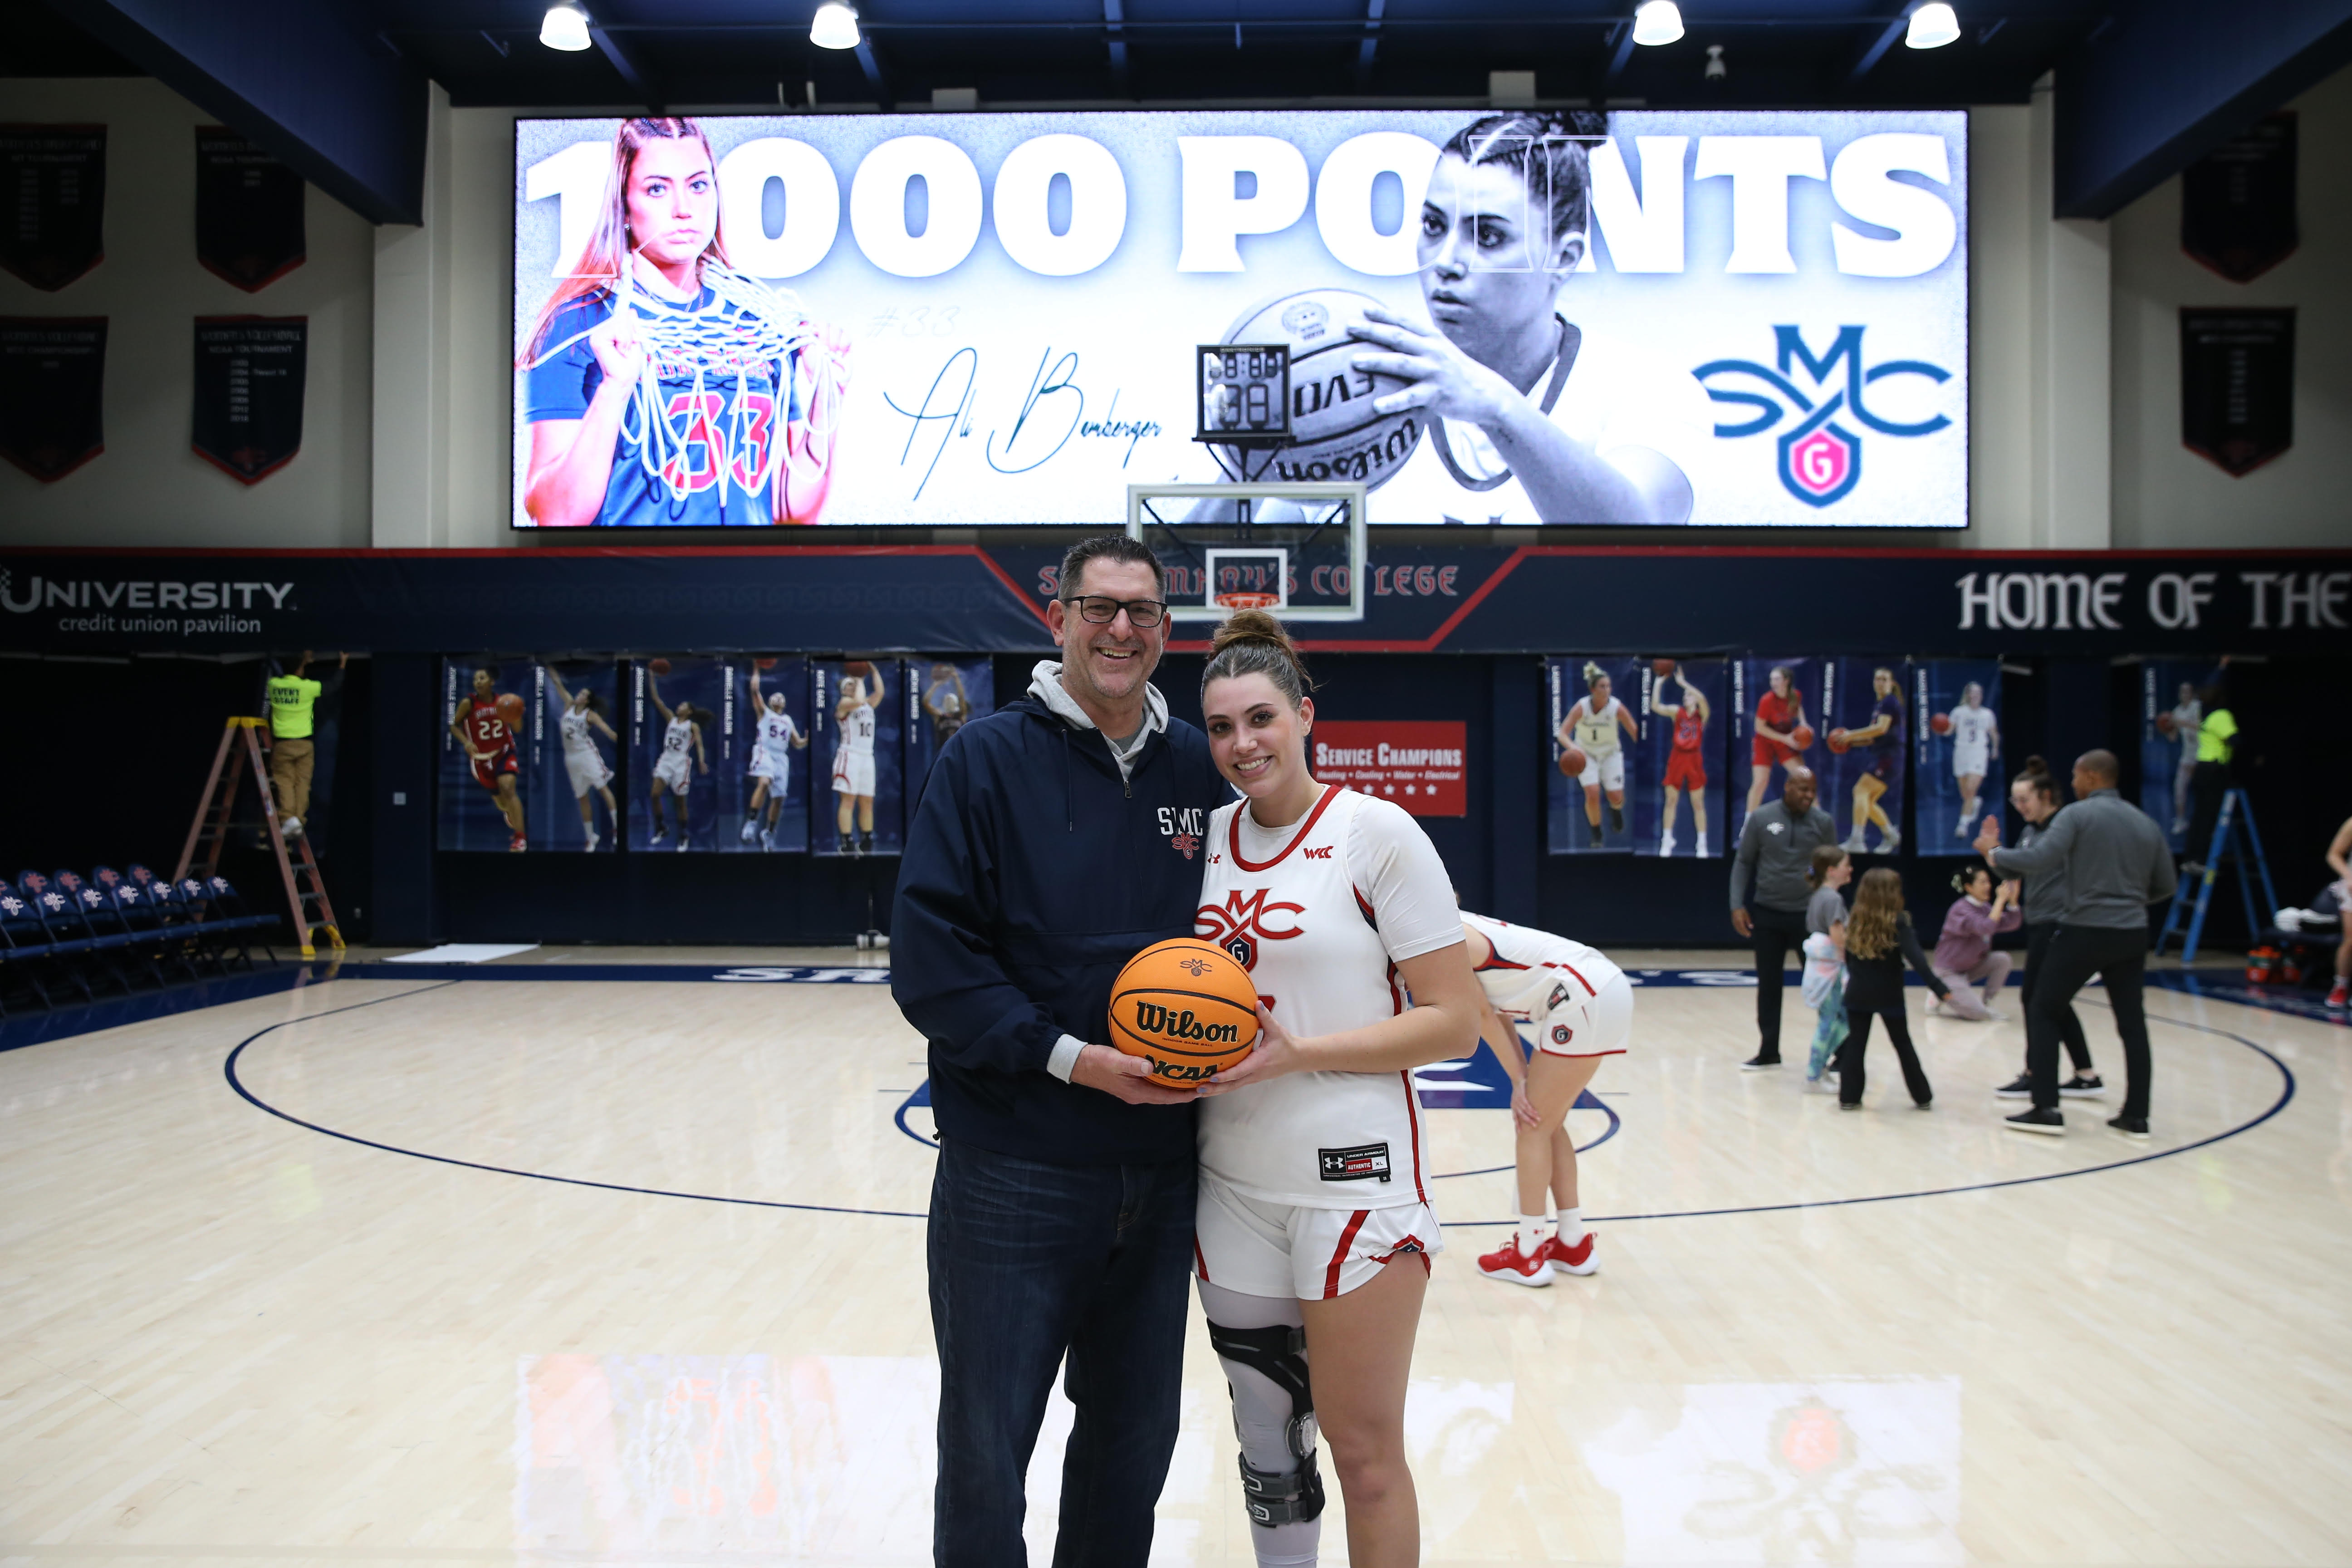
<point>2043,904</point>
<point>1878,941</point>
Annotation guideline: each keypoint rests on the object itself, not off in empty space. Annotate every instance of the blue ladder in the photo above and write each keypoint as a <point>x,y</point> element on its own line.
<point>2234,805</point>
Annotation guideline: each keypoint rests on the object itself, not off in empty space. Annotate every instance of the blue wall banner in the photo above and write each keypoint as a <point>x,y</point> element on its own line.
<point>1595,738</point>
<point>484,749</point>
<point>1777,703</point>
<point>1869,744</point>
<point>684,753</point>
<point>573,790</point>
<point>2171,711</point>
<point>1680,781</point>
<point>777,760</point>
<point>942,696</point>
<point>1962,775</point>
<point>859,730</point>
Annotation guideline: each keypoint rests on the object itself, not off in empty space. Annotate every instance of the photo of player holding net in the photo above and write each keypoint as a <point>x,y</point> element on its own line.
<point>662,387</point>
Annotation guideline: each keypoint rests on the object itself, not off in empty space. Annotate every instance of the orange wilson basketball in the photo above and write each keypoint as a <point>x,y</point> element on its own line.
<point>1571,760</point>
<point>763,664</point>
<point>1804,736</point>
<point>510,710</point>
<point>660,667</point>
<point>1941,723</point>
<point>1662,667</point>
<point>1184,1006</point>
<point>1838,741</point>
<point>2166,725</point>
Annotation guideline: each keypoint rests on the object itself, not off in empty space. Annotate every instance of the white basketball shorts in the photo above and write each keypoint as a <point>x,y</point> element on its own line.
<point>1597,1026</point>
<point>1969,761</point>
<point>774,766</point>
<point>1312,1254</point>
<point>589,772</point>
<point>676,770</point>
<point>853,772</point>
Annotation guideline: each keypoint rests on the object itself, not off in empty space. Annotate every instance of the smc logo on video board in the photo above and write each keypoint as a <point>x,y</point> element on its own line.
<point>1510,318</point>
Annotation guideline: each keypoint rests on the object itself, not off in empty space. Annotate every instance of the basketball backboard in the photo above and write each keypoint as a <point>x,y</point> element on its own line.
<point>1294,549</point>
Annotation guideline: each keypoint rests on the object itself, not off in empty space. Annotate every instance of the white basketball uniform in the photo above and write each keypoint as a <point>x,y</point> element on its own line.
<point>852,761</point>
<point>1971,741</point>
<point>582,760</point>
<point>772,759</point>
<point>2187,719</point>
<point>1614,398</point>
<point>1311,1182</point>
<point>675,767</point>
<point>1599,738</point>
<point>1581,1004</point>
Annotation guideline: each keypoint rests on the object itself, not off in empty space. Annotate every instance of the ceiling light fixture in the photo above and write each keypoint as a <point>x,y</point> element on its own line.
<point>1657,22</point>
<point>835,27</point>
<point>1932,26</point>
<point>564,28</point>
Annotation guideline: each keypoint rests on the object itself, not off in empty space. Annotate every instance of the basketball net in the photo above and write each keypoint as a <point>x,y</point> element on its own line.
<point>746,329</point>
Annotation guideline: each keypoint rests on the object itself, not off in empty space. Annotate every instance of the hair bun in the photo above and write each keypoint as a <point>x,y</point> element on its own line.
<point>1256,641</point>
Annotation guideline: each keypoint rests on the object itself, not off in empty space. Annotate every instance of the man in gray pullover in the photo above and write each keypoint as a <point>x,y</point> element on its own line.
<point>1775,850</point>
<point>2116,863</point>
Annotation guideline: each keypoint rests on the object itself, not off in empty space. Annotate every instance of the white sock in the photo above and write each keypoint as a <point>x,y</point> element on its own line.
<point>1571,1226</point>
<point>1533,1230</point>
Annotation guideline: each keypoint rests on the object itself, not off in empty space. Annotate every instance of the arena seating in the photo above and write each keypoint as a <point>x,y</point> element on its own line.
<point>69,933</point>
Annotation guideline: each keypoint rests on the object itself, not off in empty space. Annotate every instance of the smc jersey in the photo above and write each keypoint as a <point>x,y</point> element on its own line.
<point>777,732</point>
<point>676,737</point>
<point>573,728</point>
<point>1781,713</point>
<point>857,732</point>
<point>1529,967</point>
<point>711,475</point>
<point>1688,727</point>
<point>1971,731</point>
<point>483,728</point>
<point>1890,707</point>
<point>1320,913</point>
<point>1596,733</point>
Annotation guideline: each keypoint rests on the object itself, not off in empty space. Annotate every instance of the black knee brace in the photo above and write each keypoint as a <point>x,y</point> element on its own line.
<point>1278,1353</point>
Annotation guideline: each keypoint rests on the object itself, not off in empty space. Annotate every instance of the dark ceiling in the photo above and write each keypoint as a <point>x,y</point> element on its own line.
<point>731,53</point>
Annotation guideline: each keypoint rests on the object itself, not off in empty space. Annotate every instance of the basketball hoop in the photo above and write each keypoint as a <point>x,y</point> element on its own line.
<point>1246,601</point>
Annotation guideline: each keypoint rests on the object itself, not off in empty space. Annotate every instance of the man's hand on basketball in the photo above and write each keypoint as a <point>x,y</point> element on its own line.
<point>1126,1077</point>
<point>1276,1054</point>
<point>619,348</point>
<point>1444,379</point>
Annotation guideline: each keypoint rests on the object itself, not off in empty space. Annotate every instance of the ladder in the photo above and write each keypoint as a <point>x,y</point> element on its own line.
<point>2234,806</point>
<point>306,895</point>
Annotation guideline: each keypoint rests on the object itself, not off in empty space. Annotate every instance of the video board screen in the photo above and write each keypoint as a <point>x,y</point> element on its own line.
<point>1718,319</point>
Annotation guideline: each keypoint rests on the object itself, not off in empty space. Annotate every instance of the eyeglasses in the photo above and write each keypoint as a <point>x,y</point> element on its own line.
<point>1101,609</point>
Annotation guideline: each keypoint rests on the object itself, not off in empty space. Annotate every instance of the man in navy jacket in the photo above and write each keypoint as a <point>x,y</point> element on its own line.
<point>1055,840</point>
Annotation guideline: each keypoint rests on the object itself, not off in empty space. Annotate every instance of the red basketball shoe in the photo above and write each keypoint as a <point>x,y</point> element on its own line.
<point>1576,1259</point>
<point>1517,1267</point>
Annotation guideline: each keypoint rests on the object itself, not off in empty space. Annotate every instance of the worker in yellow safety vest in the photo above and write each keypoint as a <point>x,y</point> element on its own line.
<point>293,715</point>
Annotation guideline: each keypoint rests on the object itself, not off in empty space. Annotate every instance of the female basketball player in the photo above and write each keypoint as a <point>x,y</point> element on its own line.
<point>1886,740</point>
<point>1581,1005</point>
<point>945,702</point>
<point>1779,712</point>
<point>1314,1231</point>
<point>2188,717</point>
<point>1533,419</point>
<point>853,757</point>
<point>780,735</point>
<point>1685,763</point>
<point>584,759</point>
<point>596,373</point>
<point>489,744</point>
<point>673,773</point>
<point>1976,742</point>
<point>1592,726</point>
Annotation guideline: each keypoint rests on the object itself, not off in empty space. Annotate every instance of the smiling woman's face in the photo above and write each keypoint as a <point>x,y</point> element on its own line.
<point>1488,268</point>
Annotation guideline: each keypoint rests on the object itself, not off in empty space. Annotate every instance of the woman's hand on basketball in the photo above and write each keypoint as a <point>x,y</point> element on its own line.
<point>619,348</point>
<point>1276,1052</point>
<point>1126,1077</point>
<point>1445,381</point>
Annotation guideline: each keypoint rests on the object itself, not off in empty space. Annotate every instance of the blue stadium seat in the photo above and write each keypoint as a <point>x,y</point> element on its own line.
<point>105,925</point>
<point>26,948</point>
<point>137,906</point>
<point>170,903</point>
<point>58,917</point>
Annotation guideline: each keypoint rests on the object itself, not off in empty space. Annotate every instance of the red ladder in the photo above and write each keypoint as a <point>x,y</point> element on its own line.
<point>304,892</point>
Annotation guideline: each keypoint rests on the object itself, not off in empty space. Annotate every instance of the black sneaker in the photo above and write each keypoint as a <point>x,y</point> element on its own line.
<point>2037,1121</point>
<point>1758,1062</point>
<point>2132,1127</point>
<point>1927,1104</point>
<point>2083,1086</point>
<point>1849,1105</point>
<point>2019,1088</point>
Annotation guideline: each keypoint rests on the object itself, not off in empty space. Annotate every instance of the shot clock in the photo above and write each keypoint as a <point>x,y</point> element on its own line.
<point>1244,393</point>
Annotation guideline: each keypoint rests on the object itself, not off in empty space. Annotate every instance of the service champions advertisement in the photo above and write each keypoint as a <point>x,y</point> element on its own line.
<point>1754,318</point>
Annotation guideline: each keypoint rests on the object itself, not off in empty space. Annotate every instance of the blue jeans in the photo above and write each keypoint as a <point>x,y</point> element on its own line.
<point>1035,1267</point>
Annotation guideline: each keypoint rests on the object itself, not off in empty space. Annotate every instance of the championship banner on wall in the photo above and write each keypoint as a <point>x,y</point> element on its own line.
<point>1420,764</point>
<point>942,696</point>
<point>682,752</point>
<point>858,739</point>
<point>2237,386</point>
<point>1682,717</point>
<point>485,724</point>
<point>2238,202</point>
<point>1960,778</point>
<point>52,393</point>
<point>1777,705</point>
<point>777,782</point>
<point>1869,742</point>
<point>250,371</point>
<point>2172,711</point>
<point>1741,317</point>
<point>249,225</point>
<point>571,792</point>
<point>1593,728</point>
<point>55,231</point>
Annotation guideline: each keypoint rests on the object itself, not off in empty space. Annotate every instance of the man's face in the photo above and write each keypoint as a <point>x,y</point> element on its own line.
<point>1798,792</point>
<point>1110,663</point>
<point>2085,781</point>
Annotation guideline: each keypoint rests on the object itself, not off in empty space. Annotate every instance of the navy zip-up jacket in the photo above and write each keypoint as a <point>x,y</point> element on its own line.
<point>1032,873</point>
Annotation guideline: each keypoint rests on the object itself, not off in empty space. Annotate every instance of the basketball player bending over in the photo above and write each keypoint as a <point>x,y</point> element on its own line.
<point>673,773</point>
<point>1592,727</point>
<point>490,742</point>
<point>852,758</point>
<point>771,763</point>
<point>1685,763</point>
<point>1314,1231</point>
<point>1581,1006</point>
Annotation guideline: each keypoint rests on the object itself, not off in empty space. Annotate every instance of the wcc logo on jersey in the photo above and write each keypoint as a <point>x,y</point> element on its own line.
<point>1820,455</point>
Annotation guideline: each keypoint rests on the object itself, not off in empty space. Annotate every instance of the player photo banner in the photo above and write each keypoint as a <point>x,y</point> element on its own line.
<point>682,751</point>
<point>485,721</point>
<point>777,780</point>
<point>1869,745</point>
<point>1777,708</point>
<point>250,371</point>
<point>249,229</point>
<point>2171,712</point>
<point>2237,386</point>
<point>859,740</point>
<point>2238,202</point>
<point>1677,802</point>
<point>1960,777</point>
<point>52,393</point>
<point>572,789</point>
<point>55,231</point>
<point>1420,764</point>
<point>942,696</point>
<point>1592,707</point>
<point>932,319</point>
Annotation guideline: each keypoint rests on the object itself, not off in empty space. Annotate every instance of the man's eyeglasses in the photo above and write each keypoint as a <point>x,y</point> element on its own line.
<point>1101,609</point>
